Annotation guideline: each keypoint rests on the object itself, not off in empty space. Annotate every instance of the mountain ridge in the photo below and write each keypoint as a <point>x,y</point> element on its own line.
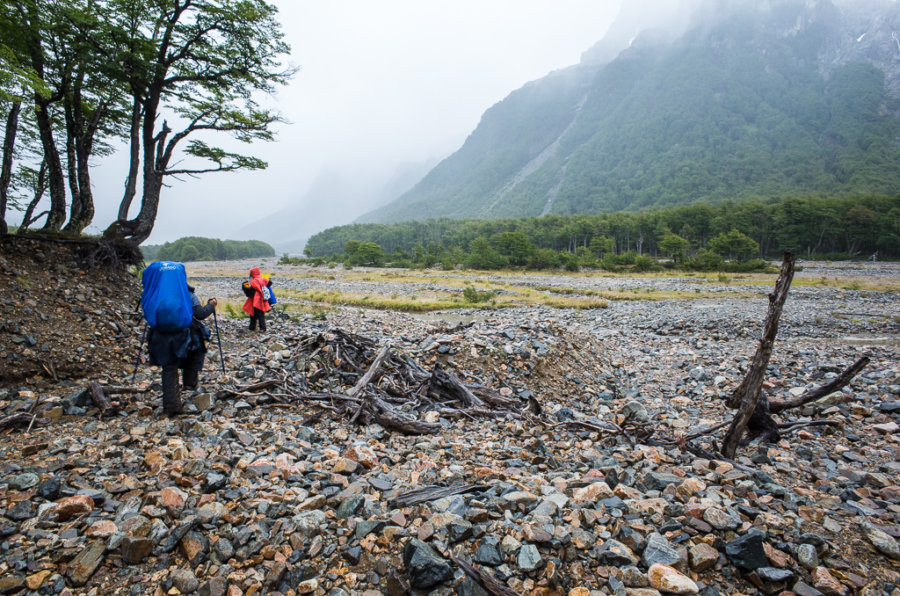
<point>799,98</point>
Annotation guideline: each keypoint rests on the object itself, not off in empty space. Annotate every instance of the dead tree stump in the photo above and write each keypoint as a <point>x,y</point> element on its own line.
<point>746,396</point>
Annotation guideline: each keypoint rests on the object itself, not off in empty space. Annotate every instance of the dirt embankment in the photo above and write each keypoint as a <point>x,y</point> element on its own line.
<point>60,317</point>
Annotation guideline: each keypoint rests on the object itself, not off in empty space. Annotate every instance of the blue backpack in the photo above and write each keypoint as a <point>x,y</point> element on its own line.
<point>165,299</point>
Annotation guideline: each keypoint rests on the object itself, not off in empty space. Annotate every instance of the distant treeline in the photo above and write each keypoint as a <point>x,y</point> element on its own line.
<point>195,248</point>
<point>812,227</point>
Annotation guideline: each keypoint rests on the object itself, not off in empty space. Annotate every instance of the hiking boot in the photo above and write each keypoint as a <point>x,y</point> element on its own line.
<point>173,412</point>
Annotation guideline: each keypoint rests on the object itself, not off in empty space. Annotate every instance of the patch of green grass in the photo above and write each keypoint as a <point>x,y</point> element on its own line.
<point>472,295</point>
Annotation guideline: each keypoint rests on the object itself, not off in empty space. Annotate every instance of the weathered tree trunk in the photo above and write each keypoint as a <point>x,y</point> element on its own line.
<point>81,132</point>
<point>57,181</point>
<point>133,162</point>
<point>746,396</point>
<point>9,143</point>
<point>32,22</point>
<point>40,185</point>
<point>72,164</point>
<point>155,161</point>
<point>444,382</point>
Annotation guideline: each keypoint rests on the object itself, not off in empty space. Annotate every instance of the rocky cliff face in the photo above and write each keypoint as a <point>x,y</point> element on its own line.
<point>868,32</point>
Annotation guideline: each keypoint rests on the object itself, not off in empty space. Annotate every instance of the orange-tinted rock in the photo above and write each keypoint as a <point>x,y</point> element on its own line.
<point>345,465</point>
<point>668,579</point>
<point>101,529</point>
<point>826,583</point>
<point>592,492</point>
<point>362,455</point>
<point>69,507</point>
<point>172,498</point>
<point>37,580</point>
<point>703,557</point>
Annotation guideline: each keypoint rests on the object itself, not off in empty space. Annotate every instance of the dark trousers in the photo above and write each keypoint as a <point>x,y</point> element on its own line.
<point>171,393</point>
<point>258,317</point>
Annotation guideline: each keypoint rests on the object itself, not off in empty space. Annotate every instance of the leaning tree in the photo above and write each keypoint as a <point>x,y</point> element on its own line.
<point>192,68</point>
<point>170,76</point>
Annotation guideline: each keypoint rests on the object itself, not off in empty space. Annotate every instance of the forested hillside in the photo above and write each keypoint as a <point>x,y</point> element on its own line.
<point>857,227</point>
<point>195,248</point>
<point>754,104</point>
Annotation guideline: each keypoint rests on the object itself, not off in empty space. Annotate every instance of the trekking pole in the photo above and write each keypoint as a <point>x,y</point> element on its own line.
<point>219,339</point>
<point>140,349</point>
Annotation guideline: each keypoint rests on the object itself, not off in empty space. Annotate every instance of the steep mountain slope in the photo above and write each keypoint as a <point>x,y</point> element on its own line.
<point>792,98</point>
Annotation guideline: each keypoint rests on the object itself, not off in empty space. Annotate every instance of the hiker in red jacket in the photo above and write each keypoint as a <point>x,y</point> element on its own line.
<point>257,304</point>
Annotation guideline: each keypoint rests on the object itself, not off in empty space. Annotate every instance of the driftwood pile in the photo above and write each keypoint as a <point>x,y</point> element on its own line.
<point>388,387</point>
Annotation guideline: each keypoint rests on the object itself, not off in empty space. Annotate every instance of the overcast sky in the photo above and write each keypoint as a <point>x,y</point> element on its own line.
<point>380,83</point>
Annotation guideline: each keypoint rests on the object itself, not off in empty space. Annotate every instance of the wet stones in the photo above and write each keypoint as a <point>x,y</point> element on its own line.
<point>747,551</point>
<point>658,550</point>
<point>703,557</point>
<point>83,566</point>
<point>251,496</point>
<point>488,552</point>
<point>882,541</point>
<point>529,558</point>
<point>134,550</point>
<point>616,554</point>
<point>426,568</point>
<point>184,580</point>
<point>20,511</point>
<point>69,507</point>
<point>24,481</point>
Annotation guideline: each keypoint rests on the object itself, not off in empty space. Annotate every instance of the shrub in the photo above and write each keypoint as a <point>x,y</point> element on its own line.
<point>569,261</point>
<point>643,263</point>
<point>707,260</point>
<point>474,296</point>
<point>626,258</point>
<point>747,266</point>
<point>608,262</point>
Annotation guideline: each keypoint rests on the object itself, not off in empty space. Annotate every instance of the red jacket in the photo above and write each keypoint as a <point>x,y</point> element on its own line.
<point>257,281</point>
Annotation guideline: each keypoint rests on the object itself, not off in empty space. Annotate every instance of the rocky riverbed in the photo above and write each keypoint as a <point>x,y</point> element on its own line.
<point>256,491</point>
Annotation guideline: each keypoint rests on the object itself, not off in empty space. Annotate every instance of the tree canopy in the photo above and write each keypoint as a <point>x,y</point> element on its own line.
<point>195,248</point>
<point>169,77</point>
<point>856,227</point>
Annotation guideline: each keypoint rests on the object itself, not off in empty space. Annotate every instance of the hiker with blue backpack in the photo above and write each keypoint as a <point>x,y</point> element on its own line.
<point>259,296</point>
<point>176,338</point>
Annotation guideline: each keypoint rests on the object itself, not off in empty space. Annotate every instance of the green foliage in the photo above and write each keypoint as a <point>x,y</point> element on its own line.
<point>643,263</point>
<point>170,77</point>
<point>367,254</point>
<point>734,245</point>
<point>569,261</point>
<point>474,296</point>
<point>514,246</point>
<point>681,123</point>
<point>696,236</point>
<point>707,260</point>
<point>674,246</point>
<point>483,256</point>
<point>195,248</point>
